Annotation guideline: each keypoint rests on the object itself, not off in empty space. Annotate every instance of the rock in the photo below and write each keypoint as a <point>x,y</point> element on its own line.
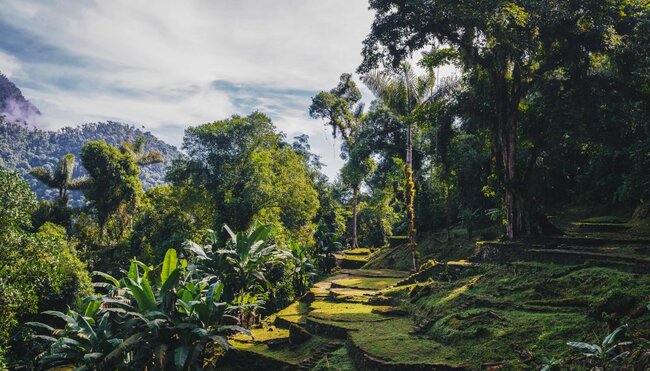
<point>642,211</point>
<point>308,297</point>
<point>277,343</point>
<point>298,335</point>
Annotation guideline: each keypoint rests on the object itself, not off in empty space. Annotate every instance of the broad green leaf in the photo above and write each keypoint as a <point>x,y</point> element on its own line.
<point>92,307</point>
<point>142,299</point>
<point>170,281</point>
<point>169,265</point>
<point>614,336</point>
<point>146,287</point>
<point>107,277</point>
<point>61,315</point>
<point>180,356</point>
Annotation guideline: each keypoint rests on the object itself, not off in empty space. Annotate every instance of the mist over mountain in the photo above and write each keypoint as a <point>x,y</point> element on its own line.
<point>13,105</point>
<point>23,147</point>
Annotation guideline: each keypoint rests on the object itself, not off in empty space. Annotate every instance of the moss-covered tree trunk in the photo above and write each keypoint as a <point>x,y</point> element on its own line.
<point>409,190</point>
<point>355,212</point>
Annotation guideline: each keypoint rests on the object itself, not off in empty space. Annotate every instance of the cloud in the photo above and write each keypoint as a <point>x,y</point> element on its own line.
<point>171,64</point>
<point>9,65</point>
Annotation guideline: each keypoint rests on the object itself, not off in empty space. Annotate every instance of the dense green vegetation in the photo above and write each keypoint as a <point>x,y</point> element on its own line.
<point>23,149</point>
<point>494,220</point>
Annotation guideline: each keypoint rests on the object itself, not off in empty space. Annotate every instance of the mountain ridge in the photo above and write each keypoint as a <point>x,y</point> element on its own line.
<point>23,148</point>
<point>14,107</point>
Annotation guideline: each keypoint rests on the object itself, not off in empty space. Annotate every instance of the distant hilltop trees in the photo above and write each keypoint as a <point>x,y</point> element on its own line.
<point>24,149</point>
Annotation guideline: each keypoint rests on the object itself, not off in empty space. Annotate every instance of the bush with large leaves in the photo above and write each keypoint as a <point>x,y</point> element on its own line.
<point>138,324</point>
<point>242,262</point>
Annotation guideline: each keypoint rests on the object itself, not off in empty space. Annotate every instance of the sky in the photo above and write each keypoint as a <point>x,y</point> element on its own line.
<point>167,65</point>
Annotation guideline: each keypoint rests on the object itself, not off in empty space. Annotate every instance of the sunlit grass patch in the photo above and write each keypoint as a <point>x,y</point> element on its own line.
<point>358,251</point>
<point>347,312</point>
<point>290,355</point>
<point>367,283</point>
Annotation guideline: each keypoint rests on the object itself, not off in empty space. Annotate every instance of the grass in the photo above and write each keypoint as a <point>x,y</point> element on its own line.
<point>263,334</point>
<point>346,312</point>
<point>376,273</point>
<point>294,313</point>
<point>350,295</point>
<point>289,355</point>
<point>339,360</point>
<point>528,308</point>
<point>358,251</point>
<point>366,283</point>
<point>390,341</point>
<point>604,219</point>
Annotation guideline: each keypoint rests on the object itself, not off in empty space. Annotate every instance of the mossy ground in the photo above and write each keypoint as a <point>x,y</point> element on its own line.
<point>520,312</point>
<point>292,355</point>
<point>358,251</point>
<point>512,314</point>
<point>366,283</point>
<point>337,361</point>
<point>346,312</point>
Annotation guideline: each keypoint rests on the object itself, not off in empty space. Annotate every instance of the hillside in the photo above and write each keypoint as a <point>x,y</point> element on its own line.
<point>22,149</point>
<point>14,107</point>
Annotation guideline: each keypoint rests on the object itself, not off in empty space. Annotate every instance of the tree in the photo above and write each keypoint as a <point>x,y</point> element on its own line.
<point>353,173</point>
<point>511,46</point>
<point>136,149</point>
<point>114,184</point>
<point>61,178</point>
<point>251,175</point>
<point>38,270</point>
<point>403,93</point>
<point>344,114</point>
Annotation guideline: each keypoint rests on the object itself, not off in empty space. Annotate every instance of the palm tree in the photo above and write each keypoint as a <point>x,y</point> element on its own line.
<point>136,149</point>
<point>62,177</point>
<point>403,93</point>
<point>343,112</point>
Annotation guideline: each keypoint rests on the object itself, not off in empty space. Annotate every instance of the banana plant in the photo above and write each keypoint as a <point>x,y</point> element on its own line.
<point>246,306</point>
<point>608,352</point>
<point>84,341</point>
<point>139,324</point>
<point>303,269</point>
<point>242,262</point>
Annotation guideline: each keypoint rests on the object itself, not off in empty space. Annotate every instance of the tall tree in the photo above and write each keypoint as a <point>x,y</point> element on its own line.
<point>510,45</point>
<point>114,184</point>
<point>403,93</point>
<point>344,114</point>
<point>250,174</point>
<point>61,178</point>
<point>142,157</point>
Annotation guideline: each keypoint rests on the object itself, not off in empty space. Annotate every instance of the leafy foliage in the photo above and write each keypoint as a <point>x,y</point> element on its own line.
<point>138,324</point>
<point>38,270</point>
<point>114,185</point>
<point>23,149</point>
<point>241,262</point>
<point>250,174</point>
<point>606,354</point>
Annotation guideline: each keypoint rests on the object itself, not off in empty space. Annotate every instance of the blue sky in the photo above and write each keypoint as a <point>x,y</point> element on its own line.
<point>168,65</point>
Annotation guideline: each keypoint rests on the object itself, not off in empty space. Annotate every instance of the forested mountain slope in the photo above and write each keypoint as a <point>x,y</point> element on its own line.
<point>22,148</point>
<point>13,105</point>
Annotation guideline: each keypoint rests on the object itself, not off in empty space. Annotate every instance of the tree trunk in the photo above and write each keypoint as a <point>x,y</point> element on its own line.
<point>448,211</point>
<point>507,104</point>
<point>355,197</point>
<point>410,197</point>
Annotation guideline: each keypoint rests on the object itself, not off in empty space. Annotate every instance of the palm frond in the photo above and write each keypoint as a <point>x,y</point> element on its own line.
<point>79,183</point>
<point>44,176</point>
<point>150,158</point>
